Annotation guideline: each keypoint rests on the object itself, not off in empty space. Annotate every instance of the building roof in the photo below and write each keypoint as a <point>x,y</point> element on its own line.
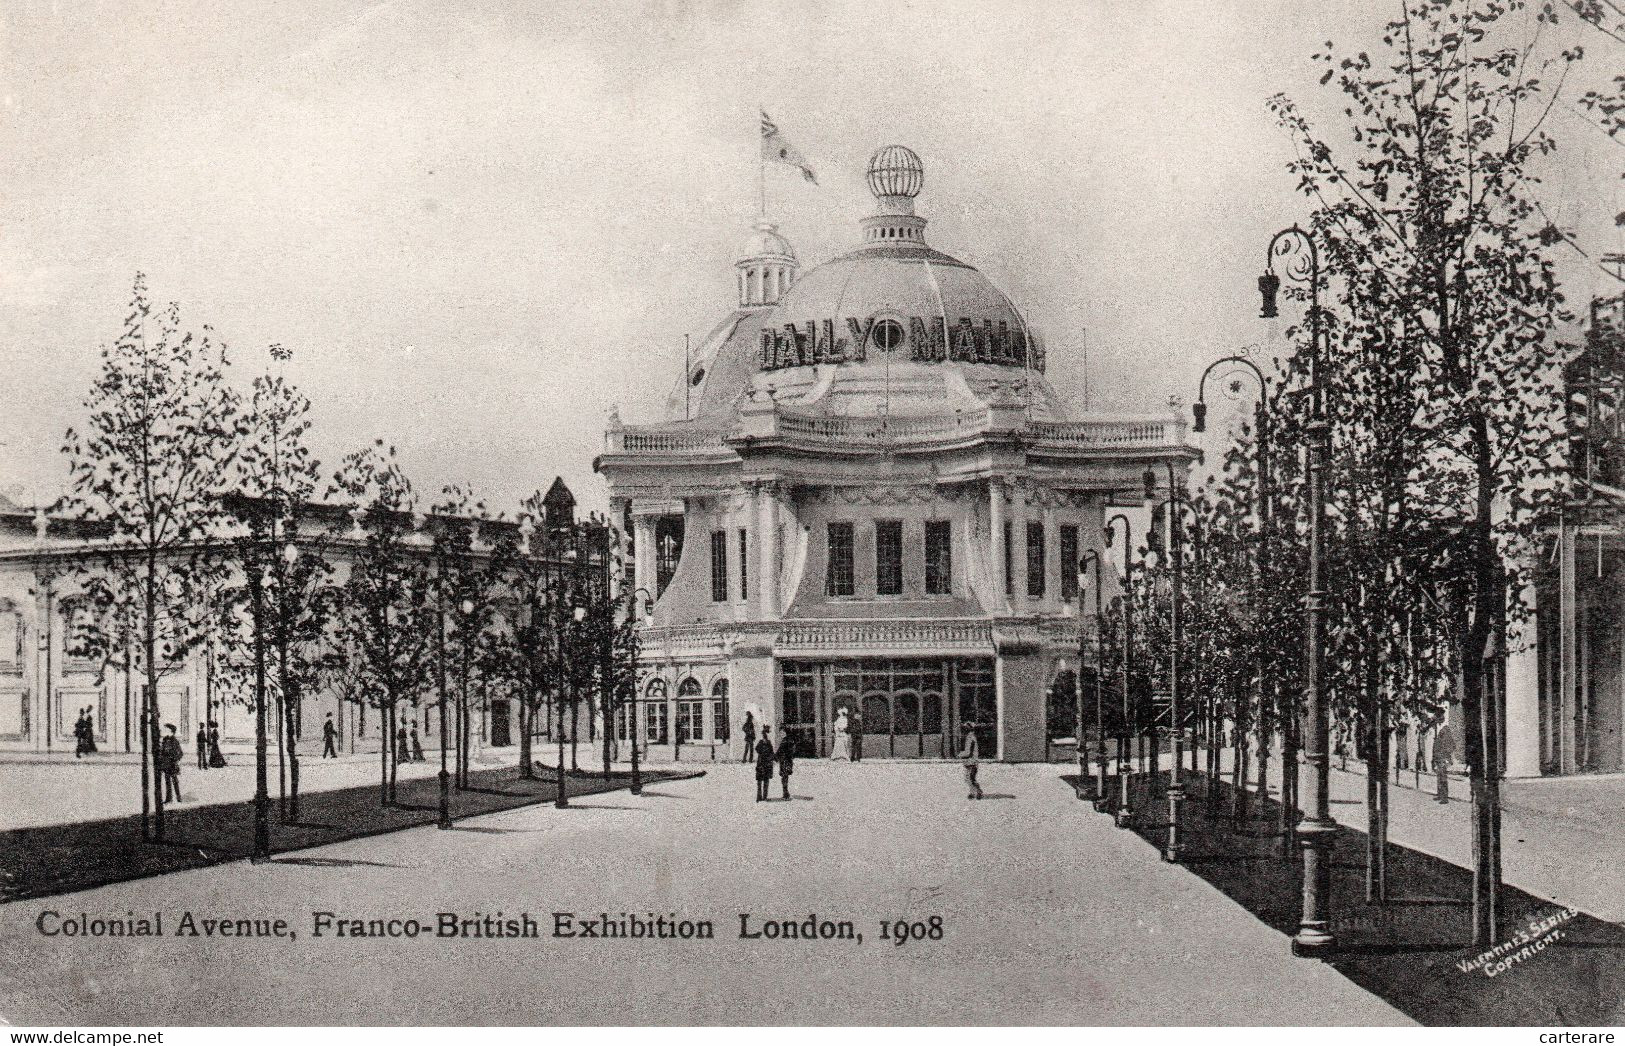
<point>892,274</point>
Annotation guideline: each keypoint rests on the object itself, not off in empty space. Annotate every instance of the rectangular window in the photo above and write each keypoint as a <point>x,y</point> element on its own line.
<point>1035,560</point>
<point>889,557</point>
<point>744,558</point>
<point>719,566</point>
<point>939,557</point>
<point>1069,562</point>
<point>1009,570</point>
<point>690,721</point>
<point>719,719</point>
<point>838,576</point>
<point>654,721</point>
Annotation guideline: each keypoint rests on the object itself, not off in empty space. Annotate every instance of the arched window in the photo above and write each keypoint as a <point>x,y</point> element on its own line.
<point>719,711</point>
<point>655,713</point>
<point>690,712</point>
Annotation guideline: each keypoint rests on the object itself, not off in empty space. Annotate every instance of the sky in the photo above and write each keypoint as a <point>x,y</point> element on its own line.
<point>481,226</point>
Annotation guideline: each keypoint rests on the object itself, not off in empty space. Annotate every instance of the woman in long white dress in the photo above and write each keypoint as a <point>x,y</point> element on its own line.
<point>842,748</point>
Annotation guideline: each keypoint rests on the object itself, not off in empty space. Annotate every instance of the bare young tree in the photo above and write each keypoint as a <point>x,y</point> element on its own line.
<point>385,613</point>
<point>152,459</point>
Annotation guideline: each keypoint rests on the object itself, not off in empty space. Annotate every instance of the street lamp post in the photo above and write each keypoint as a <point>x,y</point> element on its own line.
<point>1317,831</point>
<point>1124,810</point>
<point>1265,496</point>
<point>1091,558</point>
<point>444,820</point>
<point>1176,785</point>
<point>632,711</point>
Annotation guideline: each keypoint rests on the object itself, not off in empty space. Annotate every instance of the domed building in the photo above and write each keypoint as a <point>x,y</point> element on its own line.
<point>866,498</point>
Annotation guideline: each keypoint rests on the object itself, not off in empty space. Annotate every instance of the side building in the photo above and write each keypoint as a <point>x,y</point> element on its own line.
<point>48,678</point>
<point>866,497</point>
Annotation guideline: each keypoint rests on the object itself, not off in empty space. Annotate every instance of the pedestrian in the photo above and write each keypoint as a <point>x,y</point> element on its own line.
<point>202,747</point>
<point>417,746</point>
<point>854,724</point>
<point>1402,736</point>
<point>1421,750</point>
<point>1444,750</point>
<point>169,762</point>
<point>968,755</point>
<point>330,736</point>
<point>841,742</point>
<point>402,753</point>
<point>764,763</point>
<point>80,733</point>
<point>750,737</point>
<point>217,759</point>
<point>787,761</point>
<point>90,731</point>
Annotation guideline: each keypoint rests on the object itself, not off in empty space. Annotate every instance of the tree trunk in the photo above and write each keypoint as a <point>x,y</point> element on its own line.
<point>1289,779</point>
<point>146,781</point>
<point>150,641</point>
<point>290,717</point>
<point>1478,709</point>
<point>527,720</point>
<point>575,726</point>
<point>383,759</point>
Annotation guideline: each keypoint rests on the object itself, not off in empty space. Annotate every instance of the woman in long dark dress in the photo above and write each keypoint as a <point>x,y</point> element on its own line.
<point>90,733</point>
<point>216,759</point>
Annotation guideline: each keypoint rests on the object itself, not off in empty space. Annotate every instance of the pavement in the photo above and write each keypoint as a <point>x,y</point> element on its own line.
<point>1048,915</point>
<point>40,793</point>
<point>1562,839</point>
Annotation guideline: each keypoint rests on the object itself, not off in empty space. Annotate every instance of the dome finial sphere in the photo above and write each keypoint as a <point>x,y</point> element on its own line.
<point>895,170</point>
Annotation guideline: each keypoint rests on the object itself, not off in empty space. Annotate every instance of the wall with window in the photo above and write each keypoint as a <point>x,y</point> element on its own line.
<point>879,553</point>
<point>707,584</point>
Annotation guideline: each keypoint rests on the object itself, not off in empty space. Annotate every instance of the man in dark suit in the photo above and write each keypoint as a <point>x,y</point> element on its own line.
<point>787,761</point>
<point>764,763</point>
<point>169,762</point>
<point>202,747</point>
<point>330,736</point>
<point>854,726</point>
<point>750,738</point>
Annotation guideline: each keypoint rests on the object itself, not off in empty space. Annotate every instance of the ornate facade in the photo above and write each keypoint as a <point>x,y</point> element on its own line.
<point>866,496</point>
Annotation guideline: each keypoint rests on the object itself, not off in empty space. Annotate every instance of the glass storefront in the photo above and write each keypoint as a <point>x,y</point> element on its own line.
<point>904,707</point>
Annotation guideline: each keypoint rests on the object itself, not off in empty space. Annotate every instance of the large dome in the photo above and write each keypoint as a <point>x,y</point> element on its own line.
<point>892,326</point>
<point>900,282</point>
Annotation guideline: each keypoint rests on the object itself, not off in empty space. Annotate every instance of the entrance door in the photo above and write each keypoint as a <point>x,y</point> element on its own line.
<point>877,724</point>
<point>499,724</point>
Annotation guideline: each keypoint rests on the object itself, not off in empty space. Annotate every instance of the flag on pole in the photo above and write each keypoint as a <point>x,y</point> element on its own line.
<point>777,148</point>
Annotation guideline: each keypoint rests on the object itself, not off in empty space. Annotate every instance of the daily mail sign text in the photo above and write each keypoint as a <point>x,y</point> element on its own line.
<point>926,341</point>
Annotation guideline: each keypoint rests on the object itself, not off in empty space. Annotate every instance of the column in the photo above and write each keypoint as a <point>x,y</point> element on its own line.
<point>1522,709</point>
<point>1020,513</point>
<point>767,549</point>
<point>643,538</point>
<point>996,519</point>
<point>1052,555</point>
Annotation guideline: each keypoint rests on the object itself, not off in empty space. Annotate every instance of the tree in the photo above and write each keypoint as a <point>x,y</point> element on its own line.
<point>152,460</point>
<point>1440,203</point>
<point>385,615</point>
<point>469,593</point>
<point>277,478</point>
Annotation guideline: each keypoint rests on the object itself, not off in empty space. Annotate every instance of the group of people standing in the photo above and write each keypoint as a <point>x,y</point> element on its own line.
<point>84,734</point>
<point>766,756</point>
<point>208,747</point>
<point>404,752</point>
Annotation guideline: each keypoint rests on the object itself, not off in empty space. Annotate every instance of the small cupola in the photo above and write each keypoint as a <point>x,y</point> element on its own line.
<point>895,177</point>
<point>767,268</point>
